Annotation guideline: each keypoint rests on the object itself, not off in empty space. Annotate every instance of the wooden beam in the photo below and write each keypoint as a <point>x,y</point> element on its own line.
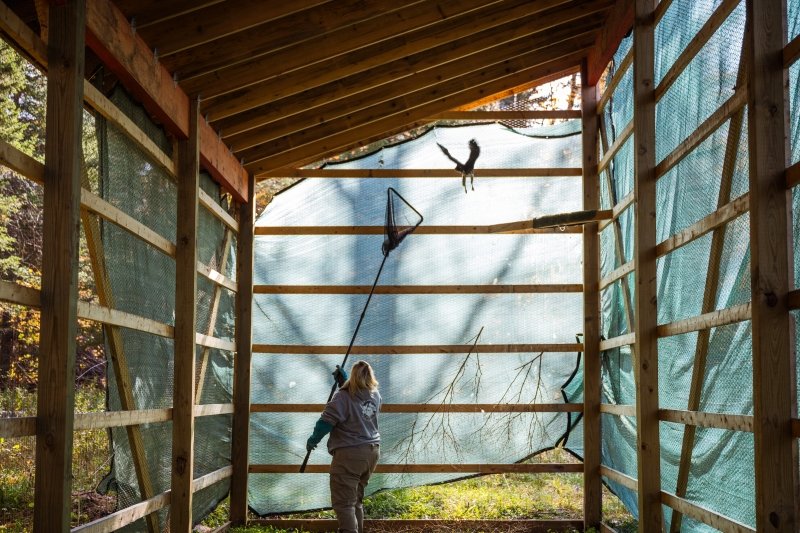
<point>114,419</point>
<point>793,299</point>
<point>417,289</point>
<point>592,483</point>
<point>60,241</point>
<point>12,428</point>
<point>617,274</point>
<point>615,342</point>
<point>416,105</point>
<point>325,525</point>
<point>384,468</point>
<point>611,86</point>
<point>618,23</point>
<point>211,478</point>
<point>126,516</point>
<point>213,409</point>
<point>712,319</point>
<point>796,428</point>
<point>618,409</point>
<point>711,222</point>
<point>539,114</point>
<point>185,328</point>
<point>114,317</point>
<point>694,46</point>
<point>148,12</point>
<point>217,21</point>
<point>522,228</point>
<point>706,516</point>
<point>21,163</point>
<point>616,211</point>
<point>608,155</point>
<point>217,210</point>
<point>112,38</point>
<point>522,87</point>
<point>646,309</point>
<point>430,408</point>
<point>771,258</point>
<point>421,55</point>
<point>416,108</point>
<point>619,478</point>
<point>17,294</point>
<point>334,173</point>
<point>791,52</point>
<point>243,359</point>
<point>22,36</point>
<point>420,349</point>
<point>707,420</point>
<point>709,126</point>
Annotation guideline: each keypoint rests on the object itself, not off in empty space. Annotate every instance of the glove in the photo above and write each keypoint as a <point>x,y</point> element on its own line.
<point>321,429</point>
<point>340,376</point>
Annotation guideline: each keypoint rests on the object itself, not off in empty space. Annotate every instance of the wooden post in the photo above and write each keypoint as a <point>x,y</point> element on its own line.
<point>244,352</point>
<point>56,390</point>
<point>774,400</point>
<point>185,328</point>
<point>592,487</point>
<point>644,129</point>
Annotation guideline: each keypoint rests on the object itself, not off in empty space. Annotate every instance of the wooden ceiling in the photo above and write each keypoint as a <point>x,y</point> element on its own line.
<point>286,83</point>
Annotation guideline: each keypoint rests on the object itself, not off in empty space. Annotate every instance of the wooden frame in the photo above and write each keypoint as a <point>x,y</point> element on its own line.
<point>701,514</point>
<point>618,477</point>
<point>243,361</point>
<point>618,409</point>
<point>554,114</point>
<point>592,483</point>
<point>61,212</point>
<point>707,420</point>
<point>774,399</point>
<point>646,309</point>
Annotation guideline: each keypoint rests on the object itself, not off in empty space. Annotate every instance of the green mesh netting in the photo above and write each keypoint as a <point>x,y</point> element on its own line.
<point>410,319</point>
<point>142,282</point>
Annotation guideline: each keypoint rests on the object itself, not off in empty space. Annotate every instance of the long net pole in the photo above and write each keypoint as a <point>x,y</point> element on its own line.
<point>352,341</point>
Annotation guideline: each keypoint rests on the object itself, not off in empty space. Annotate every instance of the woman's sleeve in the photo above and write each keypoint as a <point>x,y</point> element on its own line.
<point>334,412</point>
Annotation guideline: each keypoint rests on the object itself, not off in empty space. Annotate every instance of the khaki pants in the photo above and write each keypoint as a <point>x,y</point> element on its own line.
<point>350,471</point>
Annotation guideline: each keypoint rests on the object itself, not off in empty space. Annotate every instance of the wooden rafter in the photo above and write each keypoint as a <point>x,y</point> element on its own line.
<point>401,113</point>
<point>618,22</point>
<point>401,57</point>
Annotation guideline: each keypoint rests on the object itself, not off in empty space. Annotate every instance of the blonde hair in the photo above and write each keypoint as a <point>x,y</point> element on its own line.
<point>361,378</point>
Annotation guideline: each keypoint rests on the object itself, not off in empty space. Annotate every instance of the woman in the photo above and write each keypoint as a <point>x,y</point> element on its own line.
<point>351,417</point>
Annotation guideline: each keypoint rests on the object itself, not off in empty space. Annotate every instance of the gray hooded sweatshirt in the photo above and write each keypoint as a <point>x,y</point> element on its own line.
<point>354,419</point>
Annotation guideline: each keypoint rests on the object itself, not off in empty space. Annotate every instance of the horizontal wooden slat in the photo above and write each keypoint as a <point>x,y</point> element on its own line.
<point>111,213</point>
<point>113,317</point>
<point>709,126</point>
<point>325,525</point>
<point>420,173</point>
<point>718,218</point>
<point>17,294</point>
<point>616,342</point>
<point>114,419</point>
<point>617,409</point>
<point>207,480</point>
<point>619,142</point>
<point>704,515</point>
<point>417,289</point>
<point>126,516</point>
<point>695,45</point>
<point>216,277</point>
<point>111,112</point>
<point>792,175</point>
<point>523,227</point>
<point>541,114</point>
<point>21,163</point>
<point>618,209</point>
<point>619,73</point>
<point>24,426</point>
<point>616,274</point>
<point>794,299</point>
<point>213,409</point>
<point>796,428</point>
<point>383,468</point>
<point>605,528</point>
<point>618,477</point>
<point>714,319</point>
<point>791,52</point>
<point>413,349</point>
<point>429,408</point>
<point>707,420</point>
<point>217,210</point>
<point>213,342</point>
